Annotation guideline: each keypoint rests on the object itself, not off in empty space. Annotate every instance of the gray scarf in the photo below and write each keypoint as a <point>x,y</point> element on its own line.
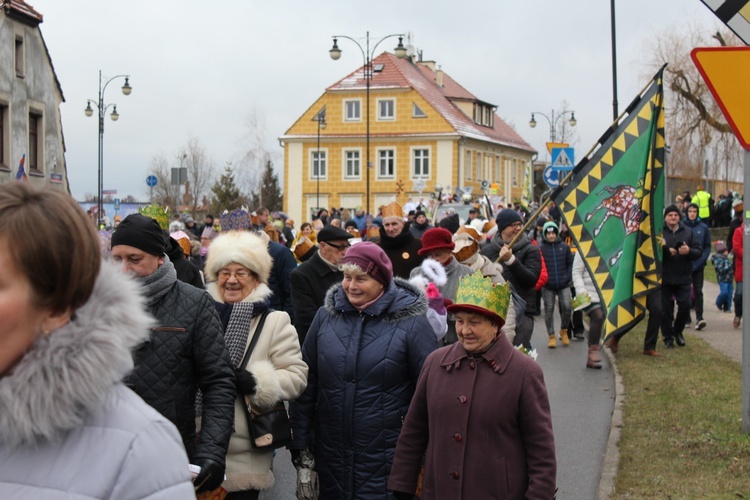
<point>237,331</point>
<point>157,284</point>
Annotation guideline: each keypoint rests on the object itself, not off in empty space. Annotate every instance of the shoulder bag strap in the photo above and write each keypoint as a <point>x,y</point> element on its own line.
<point>256,336</point>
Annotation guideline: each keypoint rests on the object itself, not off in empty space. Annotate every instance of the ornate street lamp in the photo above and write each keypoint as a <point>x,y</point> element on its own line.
<point>89,111</point>
<point>553,121</point>
<point>367,56</point>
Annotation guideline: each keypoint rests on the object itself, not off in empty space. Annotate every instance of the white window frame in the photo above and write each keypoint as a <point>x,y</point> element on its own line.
<point>345,110</point>
<point>418,160</point>
<point>469,166</point>
<point>478,166</point>
<point>383,117</point>
<point>379,155</point>
<point>345,162</point>
<point>313,163</point>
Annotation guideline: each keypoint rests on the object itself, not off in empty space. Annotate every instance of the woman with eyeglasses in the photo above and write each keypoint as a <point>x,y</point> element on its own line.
<point>237,269</point>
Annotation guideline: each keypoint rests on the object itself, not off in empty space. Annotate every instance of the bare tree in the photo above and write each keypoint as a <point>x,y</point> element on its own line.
<point>254,155</point>
<point>701,141</point>
<point>200,178</point>
<point>201,173</point>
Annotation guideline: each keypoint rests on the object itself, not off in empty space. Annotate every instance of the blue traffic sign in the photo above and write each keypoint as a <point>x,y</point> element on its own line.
<point>151,181</point>
<point>563,158</point>
<point>551,176</point>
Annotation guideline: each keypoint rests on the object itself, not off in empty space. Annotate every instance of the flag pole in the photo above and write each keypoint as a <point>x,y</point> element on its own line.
<point>610,130</point>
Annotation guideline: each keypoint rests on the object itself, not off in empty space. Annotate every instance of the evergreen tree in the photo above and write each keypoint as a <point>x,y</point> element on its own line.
<point>269,193</point>
<point>225,195</point>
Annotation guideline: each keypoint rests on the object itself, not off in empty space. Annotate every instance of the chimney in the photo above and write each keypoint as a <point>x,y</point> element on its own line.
<point>439,77</point>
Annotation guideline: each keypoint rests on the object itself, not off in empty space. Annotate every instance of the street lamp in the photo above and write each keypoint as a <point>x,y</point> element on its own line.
<point>553,121</point>
<point>321,119</point>
<point>367,56</point>
<point>102,108</point>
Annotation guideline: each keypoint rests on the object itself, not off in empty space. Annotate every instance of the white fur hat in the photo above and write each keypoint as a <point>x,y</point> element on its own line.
<point>239,247</point>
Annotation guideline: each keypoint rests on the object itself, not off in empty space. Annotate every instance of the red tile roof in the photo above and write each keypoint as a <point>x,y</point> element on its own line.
<point>22,11</point>
<point>403,73</point>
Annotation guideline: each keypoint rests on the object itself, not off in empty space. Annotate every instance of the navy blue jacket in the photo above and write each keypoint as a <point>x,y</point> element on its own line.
<point>703,237</point>
<point>559,261</point>
<point>364,368</point>
<point>280,281</point>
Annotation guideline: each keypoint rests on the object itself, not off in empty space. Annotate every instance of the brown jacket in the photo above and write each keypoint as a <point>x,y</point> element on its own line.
<point>485,425</point>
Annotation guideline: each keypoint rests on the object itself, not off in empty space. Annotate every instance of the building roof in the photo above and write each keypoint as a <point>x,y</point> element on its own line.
<point>408,74</point>
<point>22,11</point>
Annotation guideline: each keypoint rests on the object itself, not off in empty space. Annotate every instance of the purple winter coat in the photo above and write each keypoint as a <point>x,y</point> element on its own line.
<point>485,425</point>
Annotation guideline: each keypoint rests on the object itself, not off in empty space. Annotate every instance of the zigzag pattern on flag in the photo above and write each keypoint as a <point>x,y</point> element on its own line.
<point>613,207</point>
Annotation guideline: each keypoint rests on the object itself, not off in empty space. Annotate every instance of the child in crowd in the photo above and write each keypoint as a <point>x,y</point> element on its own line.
<point>559,261</point>
<point>724,275</point>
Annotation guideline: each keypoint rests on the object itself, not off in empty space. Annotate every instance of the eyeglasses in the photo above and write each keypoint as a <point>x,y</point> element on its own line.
<point>516,225</point>
<point>337,247</point>
<point>240,274</point>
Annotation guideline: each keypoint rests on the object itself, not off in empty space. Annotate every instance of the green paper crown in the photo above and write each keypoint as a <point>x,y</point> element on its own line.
<point>478,291</point>
<point>157,213</point>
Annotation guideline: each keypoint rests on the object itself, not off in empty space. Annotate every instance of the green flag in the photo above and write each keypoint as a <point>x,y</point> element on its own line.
<point>613,205</point>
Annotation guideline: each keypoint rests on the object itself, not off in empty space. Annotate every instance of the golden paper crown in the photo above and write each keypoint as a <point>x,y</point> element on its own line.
<point>373,232</point>
<point>477,292</point>
<point>157,213</point>
<point>392,210</point>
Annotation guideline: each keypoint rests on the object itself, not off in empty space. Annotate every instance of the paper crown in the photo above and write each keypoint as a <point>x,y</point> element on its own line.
<point>236,220</point>
<point>475,292</point>
<point>392,210</point>
<point>373,232</point>
<point>157,213</point>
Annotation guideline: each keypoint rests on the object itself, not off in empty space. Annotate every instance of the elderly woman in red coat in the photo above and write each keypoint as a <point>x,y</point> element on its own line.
<point>480,415</point>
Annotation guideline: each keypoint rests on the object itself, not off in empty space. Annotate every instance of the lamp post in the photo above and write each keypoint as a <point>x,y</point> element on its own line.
<point>553,121</point>
<point>102,108</point>
<point>321,119</point>
<point>367,56</point>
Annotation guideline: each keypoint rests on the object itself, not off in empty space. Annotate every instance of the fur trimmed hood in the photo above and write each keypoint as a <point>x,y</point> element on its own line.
<point>400,300</point>
<point>239,247</point>
<point>68,374</point>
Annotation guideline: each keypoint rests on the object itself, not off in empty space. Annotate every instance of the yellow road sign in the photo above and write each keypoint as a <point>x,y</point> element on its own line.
<point>726,71</point>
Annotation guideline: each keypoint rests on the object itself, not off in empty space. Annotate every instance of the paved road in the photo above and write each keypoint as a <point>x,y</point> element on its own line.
<point>582,401</point>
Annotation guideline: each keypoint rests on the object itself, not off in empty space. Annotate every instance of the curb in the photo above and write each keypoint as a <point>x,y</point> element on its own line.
<point>611,460</point>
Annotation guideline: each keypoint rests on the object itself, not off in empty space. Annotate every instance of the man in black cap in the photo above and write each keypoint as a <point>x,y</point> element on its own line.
<point>522,265</point>
<point>312,279</point>
<point>420,224</point>
<point>185,351</point>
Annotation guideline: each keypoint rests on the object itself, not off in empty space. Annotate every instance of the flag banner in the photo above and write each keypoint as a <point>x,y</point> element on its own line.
<point>613,204</point>
<point>21,172</point>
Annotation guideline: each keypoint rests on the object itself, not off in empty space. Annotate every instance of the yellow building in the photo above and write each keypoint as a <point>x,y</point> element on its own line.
<point>424,130</point>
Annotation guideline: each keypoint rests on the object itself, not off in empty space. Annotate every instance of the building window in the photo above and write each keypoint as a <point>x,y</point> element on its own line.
<point>386,109</point>
<point>319,165</point>
<point>514,170</point>
<point>386,163</point>
<point>34,156</point>
<point>4,128</point>
<point>352,164</point>
<point>417,112</point>
<point>353,110</point>
<point>20,59</point>
<point>468,167</point>
<point>478,166</point>
<point>498,170</point>
<point>421,163</point>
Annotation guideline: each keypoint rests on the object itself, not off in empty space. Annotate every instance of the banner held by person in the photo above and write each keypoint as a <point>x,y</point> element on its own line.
<point>613,203</point>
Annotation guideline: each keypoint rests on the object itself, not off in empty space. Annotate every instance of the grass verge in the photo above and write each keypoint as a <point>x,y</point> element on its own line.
<point>681,435</point>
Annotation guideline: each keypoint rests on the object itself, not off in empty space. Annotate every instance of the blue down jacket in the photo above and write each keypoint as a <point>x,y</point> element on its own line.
<point>364,368</point>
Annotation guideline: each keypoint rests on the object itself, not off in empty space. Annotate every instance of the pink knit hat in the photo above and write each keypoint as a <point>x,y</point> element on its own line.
<point>372,260</point>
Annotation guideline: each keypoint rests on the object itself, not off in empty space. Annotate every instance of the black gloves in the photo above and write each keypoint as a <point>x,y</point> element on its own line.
<point>400,495</point>
<point>210,477</point>
<point>244,381</point>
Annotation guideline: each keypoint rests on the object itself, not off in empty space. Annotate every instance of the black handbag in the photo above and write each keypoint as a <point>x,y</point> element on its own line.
<point>269,428</point>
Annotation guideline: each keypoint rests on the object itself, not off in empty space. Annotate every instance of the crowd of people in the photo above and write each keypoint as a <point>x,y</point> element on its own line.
<point>371,329</point>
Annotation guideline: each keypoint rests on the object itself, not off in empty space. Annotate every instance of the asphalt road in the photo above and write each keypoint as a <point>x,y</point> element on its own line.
<point>582,401</point>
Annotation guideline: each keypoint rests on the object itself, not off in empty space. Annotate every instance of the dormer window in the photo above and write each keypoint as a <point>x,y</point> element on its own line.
<point>484,114</point>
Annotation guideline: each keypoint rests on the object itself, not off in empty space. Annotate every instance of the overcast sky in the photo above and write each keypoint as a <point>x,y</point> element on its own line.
<point>200,68</point>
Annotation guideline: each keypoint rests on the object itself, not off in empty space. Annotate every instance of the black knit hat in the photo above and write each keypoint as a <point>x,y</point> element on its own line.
<point>418,213</point>
<point>351,223</point>
<point>670,208</point>
<point>505,218</point>
<point>141,232</point>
